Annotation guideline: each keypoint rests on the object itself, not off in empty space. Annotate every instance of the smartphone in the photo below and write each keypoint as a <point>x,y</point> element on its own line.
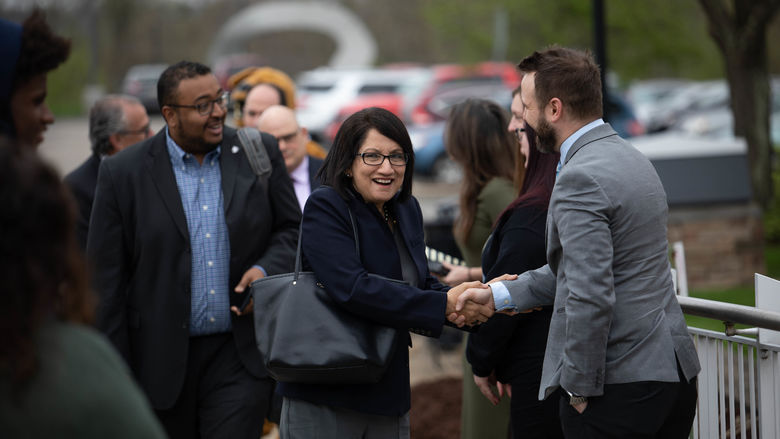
<point>247,299</point>
<point>437,268</point>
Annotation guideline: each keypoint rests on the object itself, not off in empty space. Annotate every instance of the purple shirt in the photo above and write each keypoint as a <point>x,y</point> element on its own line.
<point>300,180</point>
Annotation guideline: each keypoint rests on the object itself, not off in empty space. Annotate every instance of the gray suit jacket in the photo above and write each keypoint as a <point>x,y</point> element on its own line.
<point>615,318</point>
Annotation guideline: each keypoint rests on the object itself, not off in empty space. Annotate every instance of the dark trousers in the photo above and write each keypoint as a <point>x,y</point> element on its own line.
<point>646,409</point>
<point>531,418</point>
<point>219,398</point>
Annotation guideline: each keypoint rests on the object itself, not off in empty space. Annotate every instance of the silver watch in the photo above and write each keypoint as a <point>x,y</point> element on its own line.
<point>576,399</point>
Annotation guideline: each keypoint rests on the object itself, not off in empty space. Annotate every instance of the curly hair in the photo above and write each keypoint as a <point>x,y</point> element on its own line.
<point>42,51</point>
<point>42,269</point>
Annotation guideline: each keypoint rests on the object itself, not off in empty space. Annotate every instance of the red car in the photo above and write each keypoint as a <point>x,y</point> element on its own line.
<point>389,101</point>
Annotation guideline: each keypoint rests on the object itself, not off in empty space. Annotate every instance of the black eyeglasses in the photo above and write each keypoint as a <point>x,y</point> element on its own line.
<point>145,130</point>
<point>205,108</point>
<point>287,137</point>
<point>376,159</point>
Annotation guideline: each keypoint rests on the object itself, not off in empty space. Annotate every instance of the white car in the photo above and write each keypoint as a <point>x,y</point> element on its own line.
<point>322,92</point>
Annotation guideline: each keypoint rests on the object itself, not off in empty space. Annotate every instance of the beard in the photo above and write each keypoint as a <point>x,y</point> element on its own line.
<point>194,142</point>
<point>546,137</point>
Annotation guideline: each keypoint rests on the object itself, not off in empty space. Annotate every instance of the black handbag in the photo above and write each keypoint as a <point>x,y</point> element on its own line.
<point>305,337</point>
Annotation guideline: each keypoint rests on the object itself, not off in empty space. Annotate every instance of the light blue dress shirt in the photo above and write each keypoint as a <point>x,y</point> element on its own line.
<point>200,188</point>
<point>501,297</point>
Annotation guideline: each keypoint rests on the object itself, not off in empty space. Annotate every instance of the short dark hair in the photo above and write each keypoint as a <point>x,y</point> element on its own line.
<point>41,265</point>
<point>41,50</point>
<point>569,75</point>
<point>168,84</point>
<point>350,137</point>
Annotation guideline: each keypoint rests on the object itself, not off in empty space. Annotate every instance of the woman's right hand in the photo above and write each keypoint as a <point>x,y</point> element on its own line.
<point>457,274</point>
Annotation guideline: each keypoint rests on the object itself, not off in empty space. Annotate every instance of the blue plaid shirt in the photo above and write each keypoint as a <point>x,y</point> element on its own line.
<point>200,188</point>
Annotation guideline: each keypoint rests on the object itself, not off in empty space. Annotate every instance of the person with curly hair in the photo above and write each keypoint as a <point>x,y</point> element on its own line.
<point>58,376</point>
<point>28,53</point>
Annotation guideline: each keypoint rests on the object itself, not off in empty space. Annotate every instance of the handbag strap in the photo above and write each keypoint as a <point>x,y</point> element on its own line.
<point>300,234</point>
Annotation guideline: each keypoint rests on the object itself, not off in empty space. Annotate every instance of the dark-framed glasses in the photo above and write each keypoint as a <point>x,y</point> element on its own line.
<point>376,159</point>
<point>206,107</point>
<point>288,137</point>
<point>145,130</point>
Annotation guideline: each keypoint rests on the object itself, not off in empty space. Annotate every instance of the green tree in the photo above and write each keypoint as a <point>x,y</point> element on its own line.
<point>739,29</point>
<point>644,39</point>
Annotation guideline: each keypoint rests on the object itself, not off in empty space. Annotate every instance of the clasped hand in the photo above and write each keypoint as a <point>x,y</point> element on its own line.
<point>475,309</point>
<point>472,302</point>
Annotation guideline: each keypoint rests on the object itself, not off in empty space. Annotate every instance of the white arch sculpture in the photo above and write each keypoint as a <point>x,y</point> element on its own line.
<point>355,46</point>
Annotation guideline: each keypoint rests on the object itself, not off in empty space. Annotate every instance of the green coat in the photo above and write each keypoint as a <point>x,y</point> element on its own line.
<point>82,389</point>
<point>495,196</point>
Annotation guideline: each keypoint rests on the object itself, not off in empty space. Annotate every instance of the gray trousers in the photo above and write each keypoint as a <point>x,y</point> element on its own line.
<point>304,420</point>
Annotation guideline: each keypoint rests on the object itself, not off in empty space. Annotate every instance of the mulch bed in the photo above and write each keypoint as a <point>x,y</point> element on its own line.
<point>435,412</point>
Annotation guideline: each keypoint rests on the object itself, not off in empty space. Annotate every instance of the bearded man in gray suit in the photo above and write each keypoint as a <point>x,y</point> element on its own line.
<point>619,355</point>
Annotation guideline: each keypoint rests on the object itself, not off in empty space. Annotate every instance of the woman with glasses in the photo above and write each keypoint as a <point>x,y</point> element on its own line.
<point>368,173</point>
<point>509,350</point>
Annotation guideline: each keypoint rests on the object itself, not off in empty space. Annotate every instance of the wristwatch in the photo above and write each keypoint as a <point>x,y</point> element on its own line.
<point>576,399</point>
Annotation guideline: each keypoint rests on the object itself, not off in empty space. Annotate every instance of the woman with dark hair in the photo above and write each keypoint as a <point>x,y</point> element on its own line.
<point>509,350</point>
<point>58,377</point>
<point>27,54</point>
<point>368,173</point>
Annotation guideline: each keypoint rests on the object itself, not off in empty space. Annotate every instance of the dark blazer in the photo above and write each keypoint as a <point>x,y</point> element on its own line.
<point>139,244</point>
<point>329,249</point>
<point>82,182</point>
<point>314,166</point>
<point>513,346</point>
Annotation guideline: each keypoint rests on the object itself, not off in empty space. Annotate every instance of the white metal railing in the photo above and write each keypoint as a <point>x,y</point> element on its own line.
<point>739,384</point>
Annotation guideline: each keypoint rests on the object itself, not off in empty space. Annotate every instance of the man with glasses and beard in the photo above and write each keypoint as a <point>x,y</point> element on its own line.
<point>115,122</point>
<point>619,357</point>
<point>181,226</point>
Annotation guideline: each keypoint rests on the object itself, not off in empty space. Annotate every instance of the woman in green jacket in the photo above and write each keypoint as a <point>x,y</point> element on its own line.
<point>476,138</point>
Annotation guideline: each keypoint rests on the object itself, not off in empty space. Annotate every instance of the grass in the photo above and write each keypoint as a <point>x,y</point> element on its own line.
<point>740,295</point>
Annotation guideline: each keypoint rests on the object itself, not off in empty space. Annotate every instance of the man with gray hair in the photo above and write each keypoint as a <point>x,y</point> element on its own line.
<point>115,122</point>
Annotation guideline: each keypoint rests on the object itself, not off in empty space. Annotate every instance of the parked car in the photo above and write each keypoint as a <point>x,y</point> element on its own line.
<point>323,92</point>
<point>444,77</point>
<point>650,99</point>
<point>389,101</point>
<point>621,116</point>
<point>141,81</point>
<point>430,157</point>
<point>718,122</point>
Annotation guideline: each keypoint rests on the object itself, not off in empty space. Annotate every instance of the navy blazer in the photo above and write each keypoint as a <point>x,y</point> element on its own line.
<point>328,246</point>
<point>82,182</point>
<point>513,346</point>
<point>139,244</point>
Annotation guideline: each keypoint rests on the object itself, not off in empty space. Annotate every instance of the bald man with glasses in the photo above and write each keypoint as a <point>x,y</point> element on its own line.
<point>280,122</point>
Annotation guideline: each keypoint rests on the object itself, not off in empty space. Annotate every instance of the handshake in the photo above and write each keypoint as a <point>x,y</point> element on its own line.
<point>471,303</point>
